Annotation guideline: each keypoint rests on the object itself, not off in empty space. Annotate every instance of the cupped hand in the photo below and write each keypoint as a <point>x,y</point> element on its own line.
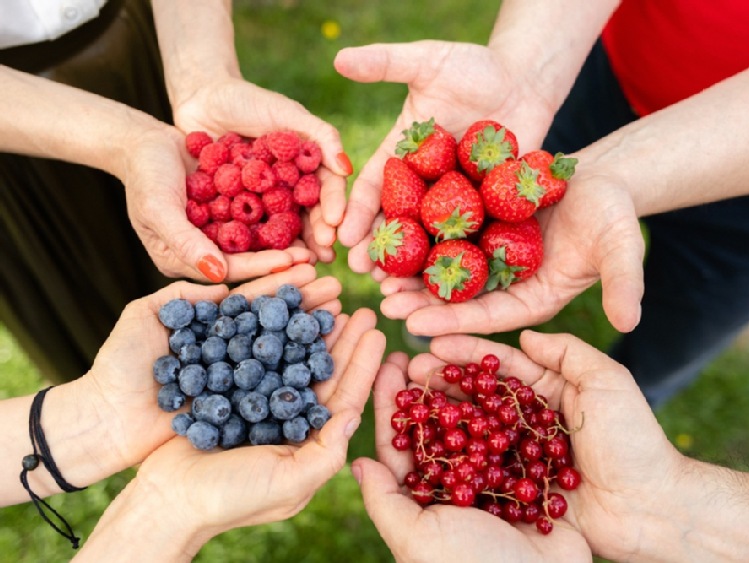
<point>120,384</point>
<point>457,84</point>
<point>443,532</point>
<point>630,471</point>
<point>212,492</point>
<point>592,234</point>
<point>239,106</point>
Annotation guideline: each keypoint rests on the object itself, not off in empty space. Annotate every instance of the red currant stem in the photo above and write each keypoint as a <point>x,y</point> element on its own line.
<point>495,496</point>
<point>546,498</point>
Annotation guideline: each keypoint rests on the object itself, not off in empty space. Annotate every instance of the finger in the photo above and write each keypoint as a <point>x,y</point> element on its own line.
<point>622,281</point>
<point>395,62</point>
<point>299,276</point>
<point>391,286</point>
<point>248,265</point>
<point>300,254</point>
<point>391,512</point>
<point>334,306</point>
<point>178,290</point>
<point>319,292</point>
<point>332,198</point>
<point>405,304</point>
<point>340,324</point>
<point>358,256</point>
<point>318,235</point>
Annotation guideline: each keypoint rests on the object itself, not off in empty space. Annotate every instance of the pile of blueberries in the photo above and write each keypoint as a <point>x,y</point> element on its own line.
<point>245,369</point>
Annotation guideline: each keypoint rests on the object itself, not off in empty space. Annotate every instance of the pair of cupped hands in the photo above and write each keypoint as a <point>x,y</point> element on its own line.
<point>593,234</point>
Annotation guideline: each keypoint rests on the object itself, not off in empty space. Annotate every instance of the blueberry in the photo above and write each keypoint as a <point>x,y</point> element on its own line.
<point>265,433</point>
<point>296,375</point>
<point>296,430</point>
<point>268,349</point>
<point>239,348</point>
<point>317,346</point>
<point>309,398</point>
<point>200,330</point>
<point>216,410</point>
<point>220,377</point>
<point>165,369</point>
<point>280,334</point>
<point>246,323</point>
<point>181,337</point>
<point>181,422</point>
<point>223,327</point>
<point>176,313</point>
<point>234,304</point>
<point>206,311</point>
<point>213,350</point>
<point>290,294</point>
<point>270,382</point>
<point>197,403</point>
<point>285,403</point>
<point>235,396</point>
<point>293,352</point>
<point>274,314</point>
<point>257,303</point>
<point>193,379</point>
<point>321,366</point>
<point>325,319</point>
<point>203,435</point>
<point>170,398</point>
<point>233,432</point>
<point>190,354</point>
<point>318,416</point>
<point>254,407</point>
<point>303,328</point>
<point>248,373</point>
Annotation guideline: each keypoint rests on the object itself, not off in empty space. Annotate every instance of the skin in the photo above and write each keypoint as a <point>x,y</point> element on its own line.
<point>639,500</point>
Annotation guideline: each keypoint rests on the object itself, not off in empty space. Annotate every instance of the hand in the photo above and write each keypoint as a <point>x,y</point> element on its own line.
<point>120,385</point>
<point>212,492</point>
<point>593,232</point>
<point>631,474</point>
<point>239,106</point>
<point>457,84</point>
<point>442,532</point>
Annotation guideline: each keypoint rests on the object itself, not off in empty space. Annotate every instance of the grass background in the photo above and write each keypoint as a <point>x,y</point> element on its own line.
<point>288,46</point>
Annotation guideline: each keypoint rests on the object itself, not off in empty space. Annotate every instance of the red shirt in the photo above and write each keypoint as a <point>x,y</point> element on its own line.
<point>663,51</point>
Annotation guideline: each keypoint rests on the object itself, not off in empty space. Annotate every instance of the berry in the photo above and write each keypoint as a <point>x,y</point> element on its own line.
<point>248,373</point>
<point>287,174</point>
<point>231,306</point>
<point>402,190</point>
<point>220,377</point>
<point>511,191</point>
<point>189,353</point>
<point>212,157</point>
<point>317,416</point>
<point>181,422</point>
<point>181,337</point>
<point>274,314</point>
<point>309,158</point>
<point>176,313</point>
<point>258,176</point>
<point>455,270</point>
<point>285,403</point>
<point>296,430</point>
<point>283,145</point>
<point>265,433</point>
<point>198,213</point>
<point>203,435</point>
<point>278,200</point>
<point>428,149</point>
<point>223,327</point>
<point>515,251</point>
<point>247,208</point>
<point>170,397</point>
<point>568,478</point>
<point>239,348</point>
<point>268,349</point>
<point>553,174</point>
<point>213,350</point>
<point>294,352</point>
<point>321,366</point>
<point>193,379</point>
<point>296,375</point>
<point>253,407</point>
<point>216,410</point>
<point>303,328</point>
<point>195,141</point>
<point>325,319</point>
<point>165,369</point>
<point>452,208</point>
<point>307,191</point>
<point>234,236</point>
<point>399,247</point>
<point>269,383</point>
<point>484,145</point>
<point>246,323</point>
<point>233,432</point>
<point>228,180</point>
<point>280,230</point>
<point>290,294</point>
<point>220,209</point>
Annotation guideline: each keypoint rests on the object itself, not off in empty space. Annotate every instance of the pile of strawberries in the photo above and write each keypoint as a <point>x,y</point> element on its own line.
<point>461,213</point>
<point>247,194</point>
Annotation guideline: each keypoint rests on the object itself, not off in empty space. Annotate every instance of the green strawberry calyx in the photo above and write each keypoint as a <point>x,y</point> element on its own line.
<point>387,238</point>
<point>414,136</point>
<point>527,184</point>
<point>500,272</point>
<point>490,148</point>
<point>562,167</point>
<point>458,225</point>
<point>448,274</point>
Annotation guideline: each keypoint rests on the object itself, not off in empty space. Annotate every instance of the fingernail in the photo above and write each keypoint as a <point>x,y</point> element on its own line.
<point>345,163</point>
<point>281,268</point>
<point>356,472</point>
<point>212,268</point>
<point>304,260</point>
<point>351,427</point>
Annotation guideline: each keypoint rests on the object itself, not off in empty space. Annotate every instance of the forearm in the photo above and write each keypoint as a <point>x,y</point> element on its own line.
<point>549,41</point>
<point>690,153</point>
<point>75,432</point>
<point>39,117</point>
<point>196,40</point>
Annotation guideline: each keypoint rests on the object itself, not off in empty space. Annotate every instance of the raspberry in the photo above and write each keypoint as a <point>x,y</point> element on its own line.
<point>195,141</point>
<point>199,186</point>
<point>240,153</point>
<point>287,173</point>
<point>234,236</point>
<point>211,231</point>
<point>212,156</point>
<point>307,190</point>
<point>280,230</point>
<point>257,242</point>
<point>278,200</point>
<point>247,208</point>
<point>258,176</point>
<point>228,180</point>
<point>284,145</point>
<point>229,139</point>
<point>220,209</point>
<point>197,213</point>
<point>309,157</point>
<point>261,151</point>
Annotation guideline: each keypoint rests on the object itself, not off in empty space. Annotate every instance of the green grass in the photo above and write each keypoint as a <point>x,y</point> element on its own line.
<point>282,48</point>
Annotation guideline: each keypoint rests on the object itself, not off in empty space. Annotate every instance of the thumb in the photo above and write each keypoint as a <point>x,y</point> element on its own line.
<point>393,62</point>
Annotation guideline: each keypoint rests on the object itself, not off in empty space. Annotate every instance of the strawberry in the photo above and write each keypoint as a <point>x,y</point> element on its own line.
<point>484,145</point>
<point>428,149</point>
<point>452,208</point>
<point>455,270</point>
<point>511,191</point>
<point>553,173</point>
<point>399,247</point>
<point>402,190</point>
<point>515,251</point>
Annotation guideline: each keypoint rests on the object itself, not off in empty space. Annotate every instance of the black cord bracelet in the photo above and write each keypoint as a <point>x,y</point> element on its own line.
<point>43,454</point>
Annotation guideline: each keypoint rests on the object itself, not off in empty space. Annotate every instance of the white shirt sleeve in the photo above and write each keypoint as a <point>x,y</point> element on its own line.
<point>23,22</point>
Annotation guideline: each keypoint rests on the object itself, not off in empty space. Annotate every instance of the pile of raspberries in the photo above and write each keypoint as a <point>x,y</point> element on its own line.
<point>248,194</point>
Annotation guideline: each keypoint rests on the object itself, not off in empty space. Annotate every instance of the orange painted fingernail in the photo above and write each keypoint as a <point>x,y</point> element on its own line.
<point>345,163</point>
<point>212,268</point>
<point>280,269</point>
<point>304,260</point>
